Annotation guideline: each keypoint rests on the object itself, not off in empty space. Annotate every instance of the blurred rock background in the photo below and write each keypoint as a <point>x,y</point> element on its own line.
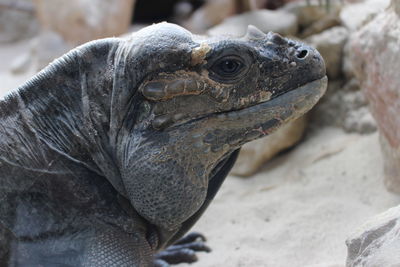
<point>359,40</point>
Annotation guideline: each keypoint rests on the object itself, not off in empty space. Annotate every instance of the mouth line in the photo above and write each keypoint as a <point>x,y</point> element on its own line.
<point>233,111</point>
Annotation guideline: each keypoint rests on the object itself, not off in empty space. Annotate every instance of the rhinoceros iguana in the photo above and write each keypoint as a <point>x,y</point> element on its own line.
<point>111,153</point>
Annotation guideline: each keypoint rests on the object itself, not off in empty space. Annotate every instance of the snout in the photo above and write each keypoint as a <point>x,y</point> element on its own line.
<point>292,64</point>
<point>308,60</point>
<point>300,56</point>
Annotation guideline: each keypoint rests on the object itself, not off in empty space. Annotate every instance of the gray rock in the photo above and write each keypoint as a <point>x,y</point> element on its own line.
<point>81,21</point>
<point>377,242</point>
<point>344,106</point>
<point>347,64</point>
<point>353,16</point>
<point>281,22</point>
<point>22,63</point>
<point>210,14</point>
<point>331,110</point>
<point>310,12</point>
<point>330,44</point>
<point>360,121</point>
<point>48,46</point>
<point>17,24</point>
<point>319,26</point>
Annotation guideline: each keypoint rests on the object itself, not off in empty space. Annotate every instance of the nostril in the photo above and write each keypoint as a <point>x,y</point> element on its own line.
<point>302,54</point>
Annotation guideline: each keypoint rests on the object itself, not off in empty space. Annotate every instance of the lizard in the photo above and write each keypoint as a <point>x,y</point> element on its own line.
<point>110,154</point>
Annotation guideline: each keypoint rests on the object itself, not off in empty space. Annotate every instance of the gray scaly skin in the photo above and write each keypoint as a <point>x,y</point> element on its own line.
<point>110,155</point>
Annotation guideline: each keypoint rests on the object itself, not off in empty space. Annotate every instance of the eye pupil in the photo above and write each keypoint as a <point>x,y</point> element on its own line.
<point>229,66</point>
<point>228,69</point>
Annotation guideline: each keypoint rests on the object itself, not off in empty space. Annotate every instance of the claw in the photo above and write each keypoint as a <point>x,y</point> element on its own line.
<point>195,246</point>
<point>183,251</point>
<point>191,238</point>
<point>177,256</point>
<point>160,263</point>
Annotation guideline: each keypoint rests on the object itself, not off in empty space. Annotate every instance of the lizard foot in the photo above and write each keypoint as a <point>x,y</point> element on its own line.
<point>183,251</point>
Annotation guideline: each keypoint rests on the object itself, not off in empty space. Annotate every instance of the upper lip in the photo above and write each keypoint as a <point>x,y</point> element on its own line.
<point>203,116</point>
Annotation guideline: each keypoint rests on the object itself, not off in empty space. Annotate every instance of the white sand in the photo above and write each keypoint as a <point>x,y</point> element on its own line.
<point>298,211</point>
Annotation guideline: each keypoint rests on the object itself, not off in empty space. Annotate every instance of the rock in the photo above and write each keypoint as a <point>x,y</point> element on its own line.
<point>48,46</point>
<point>347,64</point>
<point>66,24</point>
<point>21,64</point>
<point>353,16</point>
<point>377,242</point>
<point>391,167</point>
<point>330,109</point>
<point>344,106</point>
<point>210,14</point>
<point>360,121</point>
<point>17,22</point>
<point>321,25</point>
<point>254,154</point>
<point>80,21</point>
<point>266,20</point>
<point>376,61</point>
<point>330,44</point>
<point>182,12</point>
<point>312,12</point>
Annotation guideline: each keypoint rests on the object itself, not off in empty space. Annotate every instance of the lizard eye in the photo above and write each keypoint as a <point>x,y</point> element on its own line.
<point>228,67</point>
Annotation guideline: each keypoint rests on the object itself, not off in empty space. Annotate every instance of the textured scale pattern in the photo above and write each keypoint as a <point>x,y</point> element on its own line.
<point>113,248</point>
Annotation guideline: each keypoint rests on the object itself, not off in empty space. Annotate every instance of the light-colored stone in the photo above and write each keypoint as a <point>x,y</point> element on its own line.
<point>182,12</point>
<point>377,242</point>
<point>22,63</point>
<point>347,65</point>
<point>17,23</point>
<point>210,14</point>
<point>330,44</point>
<point>66,24</point>
<point>254,154</point>
<point>321,25</point>
<point>353,16</point>
<point>310,12</point>
<point>376,61</point>
<point>344,106</point>
<point>47,47</point>
<point>266,20</point>
<point>79,21</point>
<point>330,109</point>
<point>360,121</point>
<point>391,166</point>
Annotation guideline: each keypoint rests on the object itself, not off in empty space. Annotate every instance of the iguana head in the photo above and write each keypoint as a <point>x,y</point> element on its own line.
<point>195,101</point>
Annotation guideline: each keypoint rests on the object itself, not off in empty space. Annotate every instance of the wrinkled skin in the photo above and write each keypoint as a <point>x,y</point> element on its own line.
<point>113,152</point>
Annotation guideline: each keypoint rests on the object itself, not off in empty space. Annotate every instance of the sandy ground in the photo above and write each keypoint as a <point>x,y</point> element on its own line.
<point>297,211</point>
<point>300,209</point>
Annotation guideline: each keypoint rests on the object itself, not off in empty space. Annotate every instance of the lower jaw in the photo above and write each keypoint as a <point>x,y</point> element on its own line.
<point>289,106</point>
<point>264,118</point>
